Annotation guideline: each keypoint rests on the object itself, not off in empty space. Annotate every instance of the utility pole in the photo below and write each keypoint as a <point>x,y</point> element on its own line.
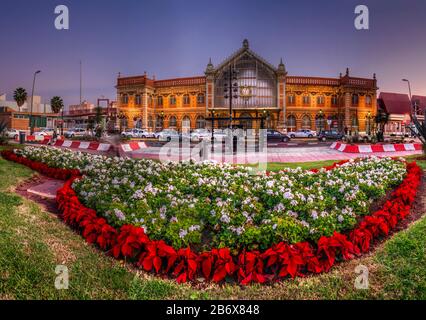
<point>32,98</point>
<point>81,82</point>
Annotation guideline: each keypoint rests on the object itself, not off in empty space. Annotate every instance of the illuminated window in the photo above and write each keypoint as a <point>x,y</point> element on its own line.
<point>172,121</point>
<point>160,100</point>
<point>368,100</point>
<point>186,99</point>
<point>355,99</point>
<point>306,100</point>
<point>200,99</point>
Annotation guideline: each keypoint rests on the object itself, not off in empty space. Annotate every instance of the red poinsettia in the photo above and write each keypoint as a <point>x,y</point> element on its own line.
<point>155,252</point>
<point>130,241</point>
<point>186,265</point>
<point>218,260</point>
<point>251,267</point>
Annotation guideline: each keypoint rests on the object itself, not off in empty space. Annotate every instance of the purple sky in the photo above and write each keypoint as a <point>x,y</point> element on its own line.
<point>174,38</point>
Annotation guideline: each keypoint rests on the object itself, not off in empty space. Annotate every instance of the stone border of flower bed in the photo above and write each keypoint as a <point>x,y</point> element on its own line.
<point>276,263</point>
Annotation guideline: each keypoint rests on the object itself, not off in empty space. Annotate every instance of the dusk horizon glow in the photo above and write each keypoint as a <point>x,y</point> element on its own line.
<point>171,39</point>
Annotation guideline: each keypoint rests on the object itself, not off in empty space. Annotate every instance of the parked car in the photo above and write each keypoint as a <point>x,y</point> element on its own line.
<point>276,136</point>
<point>200,134</point>
<point>12,133</point>
<point>330,135</point>
<point>75,132</point>
<point>303,133</point>
<point>168,135</point>
<point>44,132</point>
<point>136,133</point>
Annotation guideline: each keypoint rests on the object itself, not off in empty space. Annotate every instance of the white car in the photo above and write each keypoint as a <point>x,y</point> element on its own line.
<point>200,134</point>
<point>75,132</point>
<point>137,133</point>
<point>12,133</point>
<point>303,133</point>
<point>168,135</point>
<point>219,134</point>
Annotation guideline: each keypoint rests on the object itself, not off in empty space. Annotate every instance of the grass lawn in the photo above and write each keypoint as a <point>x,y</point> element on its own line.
<point>33,242</point>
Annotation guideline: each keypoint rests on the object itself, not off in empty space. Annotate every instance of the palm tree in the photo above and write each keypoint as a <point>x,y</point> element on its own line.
<point>57,104</point>
<point>20,96</point>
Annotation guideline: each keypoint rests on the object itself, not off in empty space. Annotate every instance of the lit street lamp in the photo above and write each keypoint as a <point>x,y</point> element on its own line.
<point>32,98</point>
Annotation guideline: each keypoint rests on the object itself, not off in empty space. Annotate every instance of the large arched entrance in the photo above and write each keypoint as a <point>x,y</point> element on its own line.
<point>245,121</point>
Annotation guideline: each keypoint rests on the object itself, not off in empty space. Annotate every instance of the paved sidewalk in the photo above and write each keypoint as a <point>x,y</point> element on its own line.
<point>47,189</point>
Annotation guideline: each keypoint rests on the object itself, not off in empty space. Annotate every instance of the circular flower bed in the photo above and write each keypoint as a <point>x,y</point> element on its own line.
<point>220,221</point>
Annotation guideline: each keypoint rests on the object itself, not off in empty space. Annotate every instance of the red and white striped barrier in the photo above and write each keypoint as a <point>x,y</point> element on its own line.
<point>132,146</point>
<point>84,145</point>
<point>372,148</point>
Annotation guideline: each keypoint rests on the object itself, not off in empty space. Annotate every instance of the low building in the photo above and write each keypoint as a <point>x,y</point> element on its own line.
<point>399,108</point>
<point>82,115</point>
<point>18,118</point>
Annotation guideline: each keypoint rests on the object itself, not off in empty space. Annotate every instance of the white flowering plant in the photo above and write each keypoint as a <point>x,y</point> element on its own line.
<point>207,205</point>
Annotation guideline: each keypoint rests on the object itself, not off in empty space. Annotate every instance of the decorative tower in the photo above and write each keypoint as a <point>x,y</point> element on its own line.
<point>210,75</point>
<point>281,96</point>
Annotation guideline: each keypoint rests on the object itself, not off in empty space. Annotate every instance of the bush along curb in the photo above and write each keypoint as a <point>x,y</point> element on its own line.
<point>274,264</point>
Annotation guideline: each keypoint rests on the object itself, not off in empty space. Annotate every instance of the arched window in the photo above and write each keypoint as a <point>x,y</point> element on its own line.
<point>150,122</point>
<point>186,124</point>
<point>291,123</point>
<point>291,99</point>
<point>172,100</point>
<point>368,100</point>
<point>159,122</point>
<point>172,121</point>
<point>320,100</point>
<point>186,99</point>
<point>306,122</point>
<point>125,99</point>
<point>320,122</point>
<point>150,100</point>
<point>306,99</point>
<point>334,100</point>
<point>200,99</point>
<point>138,100</point>
<point>200,122</point>
<point>355,99</point>
<point>160,100</point>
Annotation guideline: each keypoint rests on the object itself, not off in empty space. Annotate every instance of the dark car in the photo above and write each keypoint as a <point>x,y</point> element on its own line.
<point>276,136</point>
<point>330,135</point>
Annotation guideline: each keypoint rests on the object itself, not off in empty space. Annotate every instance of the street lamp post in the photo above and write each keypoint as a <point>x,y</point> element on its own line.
<point>32,98</point>
<point>233,90</point>
<point>409,92</point>
<point>212,139</point>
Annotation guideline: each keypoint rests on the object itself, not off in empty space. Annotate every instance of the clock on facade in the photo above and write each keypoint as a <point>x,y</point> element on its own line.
<point>245,92</point>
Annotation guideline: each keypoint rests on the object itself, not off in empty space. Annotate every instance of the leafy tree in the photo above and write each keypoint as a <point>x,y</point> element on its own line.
<point>20,96</point>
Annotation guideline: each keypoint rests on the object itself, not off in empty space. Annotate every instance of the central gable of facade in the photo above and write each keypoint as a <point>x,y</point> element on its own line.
<point>244,53</point>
